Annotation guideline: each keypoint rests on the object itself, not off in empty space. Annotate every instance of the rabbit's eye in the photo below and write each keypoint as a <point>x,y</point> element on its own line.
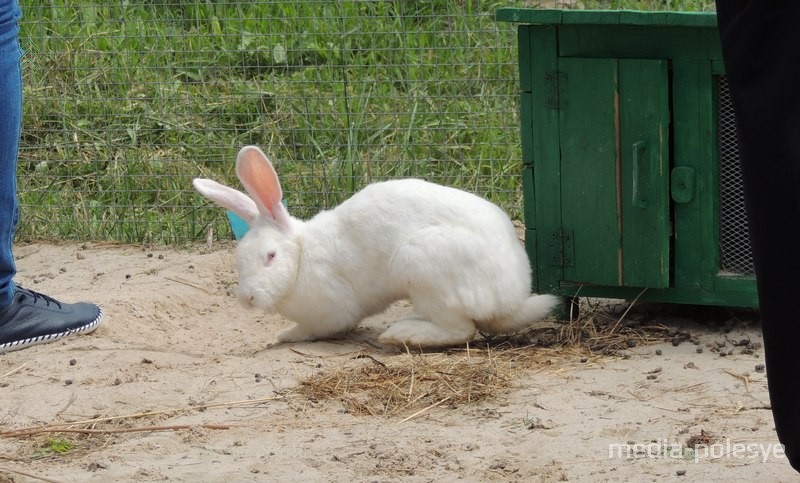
<point>268,259</point>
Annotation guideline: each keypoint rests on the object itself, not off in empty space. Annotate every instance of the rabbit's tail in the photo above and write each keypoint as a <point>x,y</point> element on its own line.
<point>532,309</point>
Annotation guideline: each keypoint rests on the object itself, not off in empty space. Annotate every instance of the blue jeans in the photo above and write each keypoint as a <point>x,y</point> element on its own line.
<point>10,126</point>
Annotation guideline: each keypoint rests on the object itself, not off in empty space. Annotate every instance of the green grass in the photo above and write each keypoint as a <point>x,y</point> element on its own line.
<point>126,102</point>
<point>53,447</point>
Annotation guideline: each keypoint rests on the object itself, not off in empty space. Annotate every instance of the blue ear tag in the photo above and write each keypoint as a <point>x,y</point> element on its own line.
<point>238,225</point>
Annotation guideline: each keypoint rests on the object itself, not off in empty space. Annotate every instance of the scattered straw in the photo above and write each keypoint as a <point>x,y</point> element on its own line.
<point>189,283</point>
<point>483,370</point>
<point>622,317</point>
<point>367,385</point>
<point>595,332</point>
<point>28,475</point>
<point>426,409</point>
<point>741,377</point>
<point>90,426</point>
<point>13,371</point>
<point>140,429</point>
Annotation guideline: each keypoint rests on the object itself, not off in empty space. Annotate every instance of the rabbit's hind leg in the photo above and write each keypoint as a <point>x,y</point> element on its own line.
<point>418,332</point>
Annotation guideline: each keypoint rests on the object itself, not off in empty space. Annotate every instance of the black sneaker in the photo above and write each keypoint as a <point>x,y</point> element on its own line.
<point>33,318</point>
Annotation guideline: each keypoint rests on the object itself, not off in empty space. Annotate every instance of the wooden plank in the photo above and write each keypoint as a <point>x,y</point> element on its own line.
<point>590,17</point>
<point>528,16</point>
<point>526,127</point>
<point>737,284</point>
<point>530,248</point>
<point>741,295</point>
<point>707,138</point>
<point>529,197</point>
<point>639,42</point>
<point>679,19</point>
<point>644,92</point>
<point>524,55</point>
<point>545,208</point>
<point>696,250</point>
<point>589,169</point>
<point>605,17</point>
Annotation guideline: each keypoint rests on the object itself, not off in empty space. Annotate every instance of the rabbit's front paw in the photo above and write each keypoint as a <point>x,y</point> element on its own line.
<point>295,334</point>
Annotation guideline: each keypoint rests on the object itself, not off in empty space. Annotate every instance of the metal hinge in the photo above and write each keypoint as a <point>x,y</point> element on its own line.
<point>556,96</point>
<point>562,248</point>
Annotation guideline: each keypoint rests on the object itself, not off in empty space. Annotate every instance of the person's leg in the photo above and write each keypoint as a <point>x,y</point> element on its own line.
<point>26,317</point>
<point>761,48</point>
<point>10,122</point>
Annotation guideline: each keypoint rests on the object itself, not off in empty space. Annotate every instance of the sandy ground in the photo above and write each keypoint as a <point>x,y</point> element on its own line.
<point>176,352</point>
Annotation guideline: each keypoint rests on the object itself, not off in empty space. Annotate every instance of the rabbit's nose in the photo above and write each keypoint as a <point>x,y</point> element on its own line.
<point>246,299</point>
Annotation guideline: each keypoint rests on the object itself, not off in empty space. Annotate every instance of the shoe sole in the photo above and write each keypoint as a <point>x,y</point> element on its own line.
<point>42,339</point>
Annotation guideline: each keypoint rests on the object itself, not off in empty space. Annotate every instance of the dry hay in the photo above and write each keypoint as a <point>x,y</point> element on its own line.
<point>408,382</point>
<point>74,439</point>
<point>415,382</point>
<point>601,328</point>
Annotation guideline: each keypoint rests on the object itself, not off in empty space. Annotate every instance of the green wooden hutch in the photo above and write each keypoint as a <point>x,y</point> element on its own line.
<point>632,185</point>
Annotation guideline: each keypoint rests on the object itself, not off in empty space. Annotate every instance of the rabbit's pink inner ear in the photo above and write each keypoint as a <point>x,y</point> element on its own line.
<point>260,179</point>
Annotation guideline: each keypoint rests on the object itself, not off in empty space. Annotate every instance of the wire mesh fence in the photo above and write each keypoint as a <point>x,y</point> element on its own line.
<point>126,102</point>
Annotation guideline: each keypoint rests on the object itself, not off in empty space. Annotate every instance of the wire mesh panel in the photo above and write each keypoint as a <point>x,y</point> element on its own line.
<point>736,256</point>
<point>126,102</point>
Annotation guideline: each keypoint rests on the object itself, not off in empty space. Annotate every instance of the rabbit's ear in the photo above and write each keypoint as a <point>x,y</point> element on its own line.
<point>261,181</point>
<point>229,198</point>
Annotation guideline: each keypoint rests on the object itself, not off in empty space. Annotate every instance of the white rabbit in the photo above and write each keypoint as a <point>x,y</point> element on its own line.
<point>455,255</point>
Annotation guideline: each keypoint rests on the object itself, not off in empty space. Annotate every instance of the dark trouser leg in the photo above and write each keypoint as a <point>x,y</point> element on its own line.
<point>761,46</point>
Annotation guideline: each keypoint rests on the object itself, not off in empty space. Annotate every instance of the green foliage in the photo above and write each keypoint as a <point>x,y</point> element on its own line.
<point>126,102</point>
<point>54,446</point>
